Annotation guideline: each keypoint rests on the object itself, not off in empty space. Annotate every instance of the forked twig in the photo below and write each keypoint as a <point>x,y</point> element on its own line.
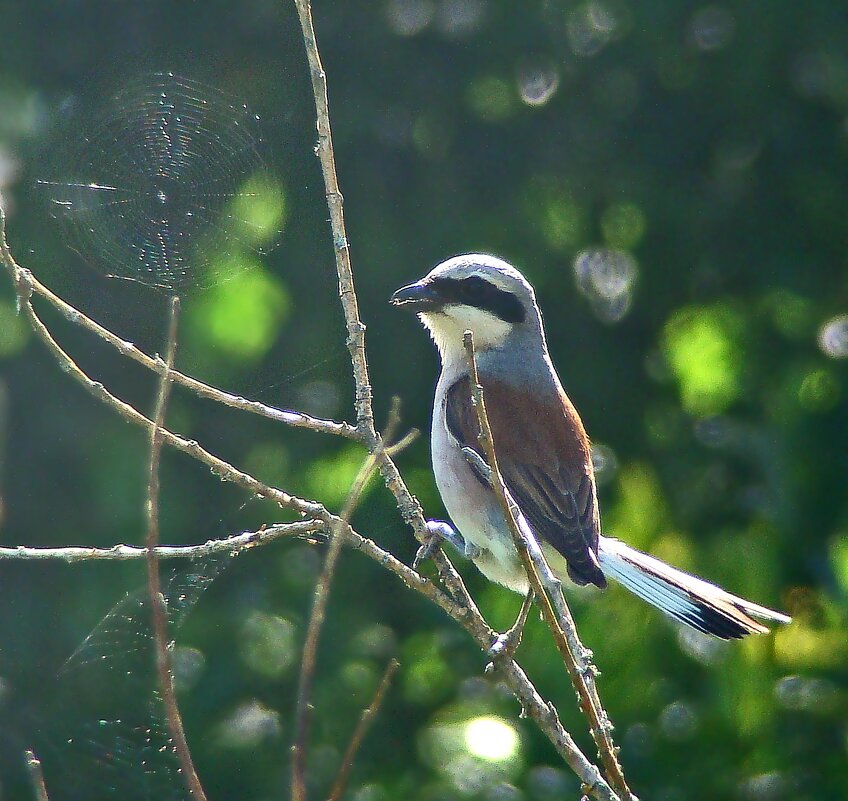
<point>548,590</point>
<point>365,721</point>
<point>303,708</point>
<point>407,504</point>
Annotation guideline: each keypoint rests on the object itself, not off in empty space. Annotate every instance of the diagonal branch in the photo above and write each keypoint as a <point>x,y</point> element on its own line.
<point>407,504</point>
<point>365,721</point>
<point>159,613</point>
<point>303,709</point>
<point>203,390</point>
<point>548,590</point>
<point>222,469</point>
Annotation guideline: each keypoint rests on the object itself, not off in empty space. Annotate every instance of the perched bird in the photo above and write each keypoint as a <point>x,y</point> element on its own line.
<point>542,450</point>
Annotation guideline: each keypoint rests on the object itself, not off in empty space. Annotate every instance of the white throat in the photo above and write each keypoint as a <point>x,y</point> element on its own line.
<point>448,325</point>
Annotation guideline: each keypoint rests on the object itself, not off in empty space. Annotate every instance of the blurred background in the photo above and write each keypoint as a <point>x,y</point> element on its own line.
<point>671,177</point>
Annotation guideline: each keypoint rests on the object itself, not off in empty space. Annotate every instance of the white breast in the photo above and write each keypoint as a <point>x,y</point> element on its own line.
<point>473,507</point>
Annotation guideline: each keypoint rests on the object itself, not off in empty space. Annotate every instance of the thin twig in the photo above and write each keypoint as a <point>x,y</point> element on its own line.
<point>542,712</point>
<point>407,504</point>
<point>335,204</point>
<point>226,472</point>
<point>159,612</point>
<point>303,708</point>
<point>548,590</point>
<point>365,721</point>
<point>119,552</point>
<point>36,777</point>
<point>203,390</point>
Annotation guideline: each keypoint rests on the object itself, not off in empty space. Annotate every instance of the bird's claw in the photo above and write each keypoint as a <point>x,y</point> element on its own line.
<point>440,532</point>
<point>505,645</point>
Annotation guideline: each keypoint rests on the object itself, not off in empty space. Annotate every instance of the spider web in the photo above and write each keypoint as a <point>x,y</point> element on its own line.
<point>106,734</point>
<point>169,178</point>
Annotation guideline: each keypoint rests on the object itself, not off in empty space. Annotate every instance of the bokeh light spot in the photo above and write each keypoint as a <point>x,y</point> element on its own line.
<point>590,27</point>
<point>491,738</point>
<point>839,559</point>
<point>807,694</point>
<point>819,391</point>
<point>239,318</point>
<point>606,277</point>
<point>267,643</point>
<point>258,212</point>
<point>249,725</point>
<point>538,82</point>
<point>187,665</point>
<point>833,337</point>
<point>409,17</point>
<point>791,314</point>
<point>331,477</point>
<point>678,721</point>
<point>13,330</point>
<point>623,225</point>
<point>702,347</point>
<point>562,220</point>
<point>640,510</point>
<point>491,98</point>
<point>712,28</point>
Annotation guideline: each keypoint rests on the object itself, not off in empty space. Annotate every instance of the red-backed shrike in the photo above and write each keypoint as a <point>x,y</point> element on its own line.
<point>542,449</point>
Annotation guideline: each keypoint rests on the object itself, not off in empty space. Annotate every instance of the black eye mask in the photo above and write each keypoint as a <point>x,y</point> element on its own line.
<point>479,293</point>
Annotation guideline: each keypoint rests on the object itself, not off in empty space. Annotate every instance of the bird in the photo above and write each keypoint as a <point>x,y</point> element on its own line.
<point>542,450</point>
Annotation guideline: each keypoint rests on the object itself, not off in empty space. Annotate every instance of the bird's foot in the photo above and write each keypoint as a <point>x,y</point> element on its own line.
<point>506,644</point>
<point>440,532</point>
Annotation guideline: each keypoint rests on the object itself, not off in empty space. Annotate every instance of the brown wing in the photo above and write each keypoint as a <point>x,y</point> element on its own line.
<point>544,458</point>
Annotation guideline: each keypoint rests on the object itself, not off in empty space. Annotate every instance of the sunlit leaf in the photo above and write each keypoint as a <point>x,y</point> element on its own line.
<point>239,318</point>
<point>702,346</point>
<point>13,331</point>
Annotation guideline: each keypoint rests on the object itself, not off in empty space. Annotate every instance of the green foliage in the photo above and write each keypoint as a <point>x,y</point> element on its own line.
<point>703,350</point>
<point>239,318</point>
<point>13,331</point>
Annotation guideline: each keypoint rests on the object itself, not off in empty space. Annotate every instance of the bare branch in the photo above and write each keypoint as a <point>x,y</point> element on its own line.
<point>36,777</point>
<point>159,612</point>
<point>303,708</point>
<point>335,204</point>
<point>548,590</point>
<point>226,472</point>
<point>233,544</point>
<point>365,721</point>
<point>407,504</point>
<point>128,349</point>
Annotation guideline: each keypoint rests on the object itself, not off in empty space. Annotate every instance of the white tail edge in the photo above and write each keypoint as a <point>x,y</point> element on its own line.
<point>691,600</point>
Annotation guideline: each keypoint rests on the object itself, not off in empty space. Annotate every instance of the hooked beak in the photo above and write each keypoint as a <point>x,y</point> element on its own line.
<point>418,297</point>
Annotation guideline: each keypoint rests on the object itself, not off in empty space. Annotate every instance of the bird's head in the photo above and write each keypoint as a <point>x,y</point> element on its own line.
<point>473,292</point>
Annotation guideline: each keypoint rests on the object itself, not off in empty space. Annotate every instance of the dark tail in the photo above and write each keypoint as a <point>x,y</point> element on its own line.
<point>691,600</point>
